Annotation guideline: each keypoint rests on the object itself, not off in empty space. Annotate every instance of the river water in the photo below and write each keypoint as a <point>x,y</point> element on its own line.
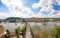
<point>11,26</point>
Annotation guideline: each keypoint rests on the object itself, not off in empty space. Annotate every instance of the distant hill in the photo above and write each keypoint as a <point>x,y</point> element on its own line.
<point>30,19</point>
<point>12,18</point>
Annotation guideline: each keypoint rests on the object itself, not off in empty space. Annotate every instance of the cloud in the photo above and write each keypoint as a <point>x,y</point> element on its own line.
<point>58,2</point>
<point>46,6</point>
<point>8,3</point>
<point>43,3</point>
<point>4,15</point>
<point>17,9</point>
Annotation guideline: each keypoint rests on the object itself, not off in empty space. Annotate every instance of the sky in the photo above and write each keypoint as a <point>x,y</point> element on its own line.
<point>30,8</point>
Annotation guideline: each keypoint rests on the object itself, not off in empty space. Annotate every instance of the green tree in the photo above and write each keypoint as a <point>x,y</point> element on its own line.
<point>56,32</point>
<point>22,30</point>
<point>46,20</point>
<point>7,33</point>
<point>17,31</point>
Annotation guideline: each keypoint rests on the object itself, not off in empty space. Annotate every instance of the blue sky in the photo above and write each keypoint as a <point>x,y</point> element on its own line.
<point>3,8</point>
<point>56,7</point>
<point>30,8</point>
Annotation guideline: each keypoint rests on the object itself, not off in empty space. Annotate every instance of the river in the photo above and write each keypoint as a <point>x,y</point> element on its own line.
<point>11,26</point>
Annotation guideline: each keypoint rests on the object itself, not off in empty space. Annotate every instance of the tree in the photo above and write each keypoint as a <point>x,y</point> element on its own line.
<point>56,32</point>
<point>7,34</point>
<point>46,20</point>
<point>22,30</point>
<point>17,31</point>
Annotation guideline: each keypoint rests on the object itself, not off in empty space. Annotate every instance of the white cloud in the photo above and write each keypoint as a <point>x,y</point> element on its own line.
<point>43,3</point>
<point>17,9</point>
<point>58,2</point>
<point>8,3</point>
<point>4,15</point>
<point>46,5</point>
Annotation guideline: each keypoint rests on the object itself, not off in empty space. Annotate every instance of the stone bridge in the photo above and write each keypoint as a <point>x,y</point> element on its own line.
<point>28,33</point>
